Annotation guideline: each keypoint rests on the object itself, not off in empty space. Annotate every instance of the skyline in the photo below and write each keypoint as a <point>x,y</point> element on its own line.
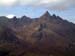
<point>35,8</point>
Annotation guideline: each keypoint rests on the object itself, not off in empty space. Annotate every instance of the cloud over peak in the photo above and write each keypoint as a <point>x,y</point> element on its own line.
<point>51,4</point>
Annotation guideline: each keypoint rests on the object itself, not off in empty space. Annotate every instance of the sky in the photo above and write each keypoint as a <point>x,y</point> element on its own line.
<point>35,8</point>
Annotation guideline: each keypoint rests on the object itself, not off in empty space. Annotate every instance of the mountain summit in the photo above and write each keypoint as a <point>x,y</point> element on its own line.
<point>46,15</point>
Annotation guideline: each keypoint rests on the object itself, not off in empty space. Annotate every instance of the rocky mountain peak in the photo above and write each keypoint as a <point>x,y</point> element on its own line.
<point>24,17</point>
<point>45,17</point>
<point>14,18</point>
<point>46,14</point>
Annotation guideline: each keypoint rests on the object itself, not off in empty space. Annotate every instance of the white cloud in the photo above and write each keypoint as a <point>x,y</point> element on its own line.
<point>7,2</point>
<point>10,16</point>
<point>51,4</point>
<point>26,2</point>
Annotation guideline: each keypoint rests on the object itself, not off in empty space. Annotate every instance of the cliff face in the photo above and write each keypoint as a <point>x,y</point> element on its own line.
<point>48,34</point>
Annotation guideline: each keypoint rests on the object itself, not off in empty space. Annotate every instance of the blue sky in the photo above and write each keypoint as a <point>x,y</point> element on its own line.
<point>35,8</point>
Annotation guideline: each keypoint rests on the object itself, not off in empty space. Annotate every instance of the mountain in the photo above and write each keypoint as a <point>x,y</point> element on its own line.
<point>44,36</point>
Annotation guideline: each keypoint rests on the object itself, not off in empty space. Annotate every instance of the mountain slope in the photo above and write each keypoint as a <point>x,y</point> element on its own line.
<point>48,34</point>
<point>48,31</point>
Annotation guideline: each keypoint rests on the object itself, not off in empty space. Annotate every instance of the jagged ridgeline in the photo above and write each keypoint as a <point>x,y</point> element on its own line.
<point>48,35</point>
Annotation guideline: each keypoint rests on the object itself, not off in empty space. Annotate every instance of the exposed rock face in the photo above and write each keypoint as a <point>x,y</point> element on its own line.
<point>49,34</point>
